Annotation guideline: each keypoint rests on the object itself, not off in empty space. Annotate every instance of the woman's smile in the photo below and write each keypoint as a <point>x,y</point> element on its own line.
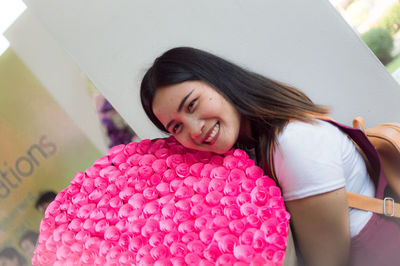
<point>197,116</point>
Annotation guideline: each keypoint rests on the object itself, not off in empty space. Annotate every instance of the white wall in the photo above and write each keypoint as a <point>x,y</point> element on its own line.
<point>58,73</point>
<point>304,43</point>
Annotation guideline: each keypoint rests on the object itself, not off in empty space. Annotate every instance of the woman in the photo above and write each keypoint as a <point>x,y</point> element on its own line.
<point>210,104</point>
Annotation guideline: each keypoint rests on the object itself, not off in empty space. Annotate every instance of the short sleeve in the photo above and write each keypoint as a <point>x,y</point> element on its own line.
<point>308,159</point>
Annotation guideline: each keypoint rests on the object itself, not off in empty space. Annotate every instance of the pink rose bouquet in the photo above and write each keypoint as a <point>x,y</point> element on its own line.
<point>158,203</point>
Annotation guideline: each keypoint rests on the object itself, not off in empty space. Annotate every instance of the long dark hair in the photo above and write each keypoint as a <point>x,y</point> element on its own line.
<point>267,104</point>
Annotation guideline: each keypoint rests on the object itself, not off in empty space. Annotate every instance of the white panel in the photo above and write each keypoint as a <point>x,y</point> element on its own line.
<point>58,73</point>
<point>305,43</point>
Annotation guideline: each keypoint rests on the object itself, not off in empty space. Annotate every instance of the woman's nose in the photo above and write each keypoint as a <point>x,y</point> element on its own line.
<point>195,128</point>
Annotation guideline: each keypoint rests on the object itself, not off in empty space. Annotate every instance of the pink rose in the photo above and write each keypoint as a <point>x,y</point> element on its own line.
<point>162,153</point>
<point>206,171</point>
<point>74,225</point>
<point>177,149</point>
<point>102,162</point>
<point>137,201</point>
<point>195,169</point>
<point>130,148</point>
<point>133,172</point>
<point>124,211</point>
<point>159,166</point>
<point>190,180</point>
<point>92,172</point>
<point>93,243</point>
<point>89,225</point>
<point>77,199</point>
<point>243,198</point>
<point>277,240</point>
<point>163,262</point>
<point>197,199</point>
<point>178,261</point>
<point>240,154</point>
<point>204,262</point>
<point>201,187</point>
<point>121,182</point>
<point>76,247</point>
<point>150,193</point>
<point>112,216</point>
<point>245,163</point>
<point>169,175</point>
<point>192,259</point>
<point>265,181</point>
<point>143,146</point>
<point>259,242</point>
<point>155,179</point>
<point>188,237</point>
<point>174,160</point>
<point>115,150</point>
<point>274,191</point>
<point>122,225</point>
<point>283,228</point>
<point>105,247</point>
<point>236,176</point>
<point>175,184</point>
<point>101,226</point>
<point>217,210</point>
<point>163,188</point>
<point>269,226</point>
<point>178,249</point>
<point>232,212</point>
<point>167,225</point>
<point>58,232</point>
<point>112,233</point>
<point>253,220</point>
<point>206,236</point>
<point>169,210</point>
<point>219,222</point>
<point>96,194</point>
<point>140,185</point>
<point>67,238</point>
<point>73,189</point>
<point>135,243</point>
<point>182,170</point>
<point>212,252</point>
<point>259,195</point>
<point>181,216</point>
<point>244,253</point>
<point>118,159</point>
<point>220,233</point>
<point>62,252</point>
<point>183,205</point>
<point>145,171</point>
<point>276,203</point>
<point>227,243</point>
<point>228,200</point>
<point>226,259</point>
<point>247,236</point>
<point>202,222</point>
<point>156,239</point>
<point>213,197</point>
<point>127,257</point>
<point>126,193</point>
<point>247,185</point>
<point>85,211</point>
<point>231,162</point>
<point>112,189</point>
<point>186,227</point>
<point>184,192</point>
<point>115,203</point>
<point>147,159</point>
<point>146,260</point>
<point>254,172</point>
<point>151,208</point>
<point>199,209</point>
<point>248,208</point>
<point>166,199</point>
<point>171,238</point>
<point>150,228</point>
<point>61,218</point>
<point>219,172</point>
<point>216,160</point>
<point>189,158</point>
<point>231,189</point>
<point>237,227</point>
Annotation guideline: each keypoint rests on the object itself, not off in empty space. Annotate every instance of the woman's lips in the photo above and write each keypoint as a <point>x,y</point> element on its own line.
<point>212,134</point>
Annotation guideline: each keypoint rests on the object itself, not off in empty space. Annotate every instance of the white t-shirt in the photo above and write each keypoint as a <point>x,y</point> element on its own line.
<point>311,159</point>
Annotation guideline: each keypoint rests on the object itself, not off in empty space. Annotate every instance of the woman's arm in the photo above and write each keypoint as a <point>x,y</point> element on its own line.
<point>321,227</point>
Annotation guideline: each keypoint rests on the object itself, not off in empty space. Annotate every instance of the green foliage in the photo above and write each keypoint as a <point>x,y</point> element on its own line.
<point>380,41</point>
<point>390,20</point>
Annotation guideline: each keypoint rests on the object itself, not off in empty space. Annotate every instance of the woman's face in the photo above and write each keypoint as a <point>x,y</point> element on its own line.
<point>197,116</point>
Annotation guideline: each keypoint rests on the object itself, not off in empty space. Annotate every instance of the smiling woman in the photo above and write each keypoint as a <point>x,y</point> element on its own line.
<point>210,104</point>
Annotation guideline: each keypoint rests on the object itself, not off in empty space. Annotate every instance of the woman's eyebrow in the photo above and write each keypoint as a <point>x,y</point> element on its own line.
<point>183,101</point>
<point>179,108</point>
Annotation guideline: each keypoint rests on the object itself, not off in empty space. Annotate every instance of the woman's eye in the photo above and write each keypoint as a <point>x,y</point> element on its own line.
<point>191,105</point>
<point>176,128</point>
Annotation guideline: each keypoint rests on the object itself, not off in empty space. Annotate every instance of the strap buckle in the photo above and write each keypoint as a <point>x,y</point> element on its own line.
<point>388,199</point>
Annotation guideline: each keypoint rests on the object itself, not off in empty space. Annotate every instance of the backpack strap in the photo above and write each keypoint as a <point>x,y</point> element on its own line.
<point>385,206</point>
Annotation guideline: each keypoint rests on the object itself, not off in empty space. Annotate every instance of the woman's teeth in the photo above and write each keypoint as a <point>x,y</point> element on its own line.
<point>213,133</point>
